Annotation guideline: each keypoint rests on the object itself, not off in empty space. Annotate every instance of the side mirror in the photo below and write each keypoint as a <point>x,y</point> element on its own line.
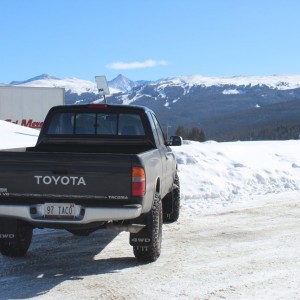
<point>175,140</point>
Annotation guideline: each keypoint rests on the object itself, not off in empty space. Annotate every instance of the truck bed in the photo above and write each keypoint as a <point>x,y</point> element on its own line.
<point>119,146</point>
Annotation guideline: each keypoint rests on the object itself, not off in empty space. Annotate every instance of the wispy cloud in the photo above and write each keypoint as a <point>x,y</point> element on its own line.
<point>150,63</point>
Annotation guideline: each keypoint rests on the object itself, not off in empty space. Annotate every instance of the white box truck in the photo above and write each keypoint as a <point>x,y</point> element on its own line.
<point>28,106</point>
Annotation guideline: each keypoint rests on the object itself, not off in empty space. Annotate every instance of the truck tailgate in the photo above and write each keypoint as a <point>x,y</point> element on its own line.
<point>35,177</point>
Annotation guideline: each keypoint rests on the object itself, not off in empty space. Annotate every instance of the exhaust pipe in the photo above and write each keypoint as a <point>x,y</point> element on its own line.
<point>132,228</point>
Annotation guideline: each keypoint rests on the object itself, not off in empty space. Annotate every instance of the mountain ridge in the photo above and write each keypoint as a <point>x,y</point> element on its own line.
<point>124,84</point>
<point>224,107</point>
<point>39,77</point>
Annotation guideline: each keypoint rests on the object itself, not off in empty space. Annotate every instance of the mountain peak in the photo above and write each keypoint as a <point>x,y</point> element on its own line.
<point>122,83</point>
<point>39,77</point>
<point>120,76</point>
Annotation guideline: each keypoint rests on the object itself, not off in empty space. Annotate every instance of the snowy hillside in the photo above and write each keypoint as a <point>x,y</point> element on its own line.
<point>226,109</point>
<point>281,82</point>
<point>71,85</point>
<point>223,85</point>
<point>123,84</point>
<point>74,85</point>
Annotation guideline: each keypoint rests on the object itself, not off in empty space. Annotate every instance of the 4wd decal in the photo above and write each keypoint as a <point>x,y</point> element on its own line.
<point>4,192</point>
<point>6,236</point>
<point>140,240</point>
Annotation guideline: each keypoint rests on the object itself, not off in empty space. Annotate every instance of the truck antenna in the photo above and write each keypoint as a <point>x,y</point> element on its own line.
<point>102,86</point>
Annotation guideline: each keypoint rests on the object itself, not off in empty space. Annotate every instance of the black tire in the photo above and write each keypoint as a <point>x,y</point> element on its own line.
<point>172,203</point>
<point>19,246</point>
<point>151,252</point>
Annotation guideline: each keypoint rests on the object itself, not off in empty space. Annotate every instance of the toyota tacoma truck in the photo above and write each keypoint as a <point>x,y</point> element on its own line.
<point>94,166</point>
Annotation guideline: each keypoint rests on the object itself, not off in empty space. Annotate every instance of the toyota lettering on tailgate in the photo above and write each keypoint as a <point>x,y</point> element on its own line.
<point>63,180</point>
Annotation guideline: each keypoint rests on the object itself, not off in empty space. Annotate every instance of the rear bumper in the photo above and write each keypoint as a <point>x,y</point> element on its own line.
<point>35,214</point>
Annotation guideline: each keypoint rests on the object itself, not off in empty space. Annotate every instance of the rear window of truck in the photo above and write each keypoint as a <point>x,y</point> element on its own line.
<point>86,123</point>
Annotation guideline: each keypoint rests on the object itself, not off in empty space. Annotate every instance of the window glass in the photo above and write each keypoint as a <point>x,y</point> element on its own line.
<point>150,117</point>
<point>62,123</point>
<point>107,124</point>
<point>85,123</point>
<point>96,124</point>
<point>130,124</point>
<point>159,131</point>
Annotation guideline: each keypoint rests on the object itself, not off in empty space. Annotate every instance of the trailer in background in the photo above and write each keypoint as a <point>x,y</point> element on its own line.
<point>28,106</point>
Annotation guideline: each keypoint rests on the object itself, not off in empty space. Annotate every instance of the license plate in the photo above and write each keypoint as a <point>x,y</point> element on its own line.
<point>54,210</point>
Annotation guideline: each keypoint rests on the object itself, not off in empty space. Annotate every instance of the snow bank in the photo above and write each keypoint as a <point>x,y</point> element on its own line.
<point>215,174</point>
<point>16,136</point>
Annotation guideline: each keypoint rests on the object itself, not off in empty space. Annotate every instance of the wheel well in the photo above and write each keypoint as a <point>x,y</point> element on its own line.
<point>157,187</point>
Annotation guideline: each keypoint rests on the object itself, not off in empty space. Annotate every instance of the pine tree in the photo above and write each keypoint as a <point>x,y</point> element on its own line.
<point>195,134</point>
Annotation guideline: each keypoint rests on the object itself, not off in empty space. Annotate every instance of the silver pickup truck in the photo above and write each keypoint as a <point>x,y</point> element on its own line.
<point>94,166</point>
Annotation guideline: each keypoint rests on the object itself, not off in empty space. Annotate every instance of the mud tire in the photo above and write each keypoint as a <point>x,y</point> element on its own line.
<point>19,246</point>
<point>154,232</point>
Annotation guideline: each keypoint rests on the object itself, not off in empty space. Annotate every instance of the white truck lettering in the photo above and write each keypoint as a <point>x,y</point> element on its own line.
<point>56,180</point>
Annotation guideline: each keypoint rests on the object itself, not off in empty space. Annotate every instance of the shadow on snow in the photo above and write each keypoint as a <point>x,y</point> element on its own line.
<point>56,257</point>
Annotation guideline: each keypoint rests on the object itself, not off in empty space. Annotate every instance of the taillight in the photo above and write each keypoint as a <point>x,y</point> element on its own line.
<point>138,181</point>
<point>97,105</point>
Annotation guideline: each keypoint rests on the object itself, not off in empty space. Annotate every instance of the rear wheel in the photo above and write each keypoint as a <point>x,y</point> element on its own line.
<point>19,245</point>
<point>147,243</point>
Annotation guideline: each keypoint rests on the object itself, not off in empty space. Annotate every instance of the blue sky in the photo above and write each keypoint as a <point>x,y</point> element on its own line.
<point>148,39</point>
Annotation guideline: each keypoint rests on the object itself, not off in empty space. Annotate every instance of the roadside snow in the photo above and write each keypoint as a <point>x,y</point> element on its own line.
<point>215,175</point>
<point>237,237</point>
<point>16,136</point>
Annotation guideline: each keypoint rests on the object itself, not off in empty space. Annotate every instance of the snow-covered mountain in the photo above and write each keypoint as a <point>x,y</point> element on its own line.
<point>79,86</point>
<point>36,78</point>
<point>225,108</point>
<point>280,82</point>
<point>122,83</point>
<point>71,85</point>
<point>224,85</point>
<point>125,85</point>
